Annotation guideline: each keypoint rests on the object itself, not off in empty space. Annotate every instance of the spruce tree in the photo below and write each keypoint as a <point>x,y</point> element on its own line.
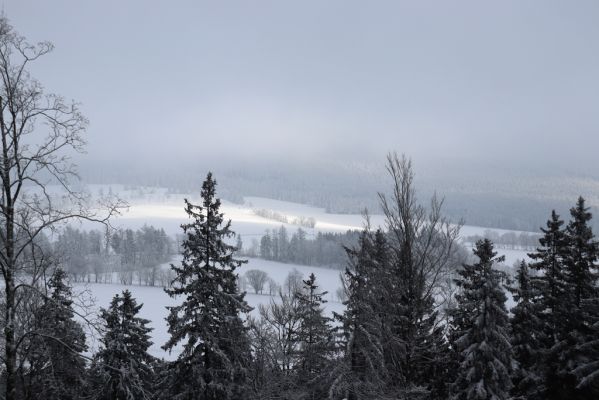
<point>483,343</point>
<point>315,340</point>
<point>580,262</point>
<point>215,347</point>
<point>363,374</point>
<point>527,334</point>
<point>552,305</point>
<point>123,369</point>
<point>580,348</point>
<point>58,344</point>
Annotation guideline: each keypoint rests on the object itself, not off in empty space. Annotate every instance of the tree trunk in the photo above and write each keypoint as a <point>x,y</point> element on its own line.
<point>9,337</point>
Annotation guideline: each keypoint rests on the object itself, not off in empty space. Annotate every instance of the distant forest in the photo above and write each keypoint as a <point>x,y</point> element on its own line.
<point>516,203</point>
<point>324,249</point>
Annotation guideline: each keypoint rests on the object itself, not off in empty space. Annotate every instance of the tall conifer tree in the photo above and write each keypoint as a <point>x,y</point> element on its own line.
<point>483,344</point>
<point>527,334</point>
<point>215,346</point>
<point>580,348</point>
<point>123,369</point>
<point>551,303</point>
<point>58,343</point>
<point>315,340</point>
<point>363,374</point>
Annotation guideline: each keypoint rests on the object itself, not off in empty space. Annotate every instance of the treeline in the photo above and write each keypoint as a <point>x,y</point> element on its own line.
<point>507,240</point>
<point>306,222</point>
<point>324,249</point>
<point>125,255</point>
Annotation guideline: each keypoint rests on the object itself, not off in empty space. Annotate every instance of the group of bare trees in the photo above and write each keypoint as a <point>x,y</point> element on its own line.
<point>124,255</point>
<point>259,281</point>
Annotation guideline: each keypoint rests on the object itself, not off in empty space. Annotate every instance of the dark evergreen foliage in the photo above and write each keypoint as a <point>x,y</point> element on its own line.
<point>315,341</point>
<point>389,343</point>
<point>123,369</point>
<point>580,354</point>
<point>552,307</point>
<point>59,341</point>
<point>215,346</point>
<point>323,249</point>
<point>481,319</point>
<point>364,371</point>
<point>527,335</point>
<point>568,301</point>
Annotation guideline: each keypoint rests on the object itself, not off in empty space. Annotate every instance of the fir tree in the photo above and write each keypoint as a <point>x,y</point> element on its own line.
<point>580,261</point>
<point>315,340</point>
<point>483,343</point>
<point>58,345</point>
<point>363,375</point>
<point>527,334</point>
<point>215,346</point>
<point>123,369</point>
<point>552,305</point>
<point>551,282</point>
<point>580,347</point>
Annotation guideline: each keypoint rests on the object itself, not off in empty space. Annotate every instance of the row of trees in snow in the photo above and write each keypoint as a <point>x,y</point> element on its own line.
<point>507,240</point>
<point>127,255</point>
<point>324,249</point>
<point>306,222</point>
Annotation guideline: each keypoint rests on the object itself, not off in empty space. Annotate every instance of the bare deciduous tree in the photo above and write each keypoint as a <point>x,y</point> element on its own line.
<point>38,131</point>
<point>293,282</point>
<point>256,279</point>
<point>422,239</point>
<point>423,252</point>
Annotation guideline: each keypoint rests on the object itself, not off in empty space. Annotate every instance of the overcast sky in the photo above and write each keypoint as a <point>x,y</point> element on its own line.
<point>459,79</point>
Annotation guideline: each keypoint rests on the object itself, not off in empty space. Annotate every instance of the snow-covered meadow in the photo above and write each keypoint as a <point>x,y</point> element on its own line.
<point>158,207</point>
<point>155,300</point>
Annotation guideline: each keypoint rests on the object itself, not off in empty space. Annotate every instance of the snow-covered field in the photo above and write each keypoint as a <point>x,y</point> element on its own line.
<point>155,206</point>
<point>155,300</point>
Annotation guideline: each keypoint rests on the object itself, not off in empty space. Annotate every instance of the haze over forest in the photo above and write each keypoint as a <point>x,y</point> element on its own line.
<point>495,103</point>
<point>217,248</point>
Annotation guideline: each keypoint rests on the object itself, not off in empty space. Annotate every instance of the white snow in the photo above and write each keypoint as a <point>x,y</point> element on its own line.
<point>155,300</point>
<point>155,206</point>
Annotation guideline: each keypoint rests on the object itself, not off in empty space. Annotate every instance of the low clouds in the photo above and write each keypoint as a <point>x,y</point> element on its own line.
<point>466,80</point>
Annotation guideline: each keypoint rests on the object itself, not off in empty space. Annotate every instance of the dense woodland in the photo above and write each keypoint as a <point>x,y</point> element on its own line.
<point>421,321</point>
<point>125,256</point>
<point>323,249</point>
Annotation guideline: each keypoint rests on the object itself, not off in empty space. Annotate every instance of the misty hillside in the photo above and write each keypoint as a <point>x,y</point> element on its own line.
<point>518,200</point>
